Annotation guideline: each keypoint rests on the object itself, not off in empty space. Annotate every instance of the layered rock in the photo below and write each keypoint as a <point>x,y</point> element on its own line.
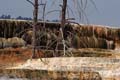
<point>92,42</point>
<point>12,42</point>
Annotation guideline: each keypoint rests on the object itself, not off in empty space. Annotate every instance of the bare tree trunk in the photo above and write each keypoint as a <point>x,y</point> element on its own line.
<point>35,20</point>
<point>64,7</point>
<point>63,21</point>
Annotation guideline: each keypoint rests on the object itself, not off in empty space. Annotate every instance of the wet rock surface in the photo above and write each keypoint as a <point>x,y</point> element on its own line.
<point>17,74</point>
<point>105,66</point>
<point>68,68</point>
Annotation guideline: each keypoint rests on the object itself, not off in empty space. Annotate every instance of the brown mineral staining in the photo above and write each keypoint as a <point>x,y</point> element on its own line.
<point>84,41</point>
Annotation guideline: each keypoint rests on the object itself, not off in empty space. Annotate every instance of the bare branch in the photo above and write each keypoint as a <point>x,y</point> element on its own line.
<point>69,8</point>
<point>52,11</point>
<point>42,3</point>
<point>92,1</point>
<point>53,3</point>
<point>30,2</point>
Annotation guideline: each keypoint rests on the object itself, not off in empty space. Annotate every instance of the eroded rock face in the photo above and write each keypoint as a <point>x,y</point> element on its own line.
<point>117,45</point>
<point>49,39</point>
<point>92,42</point>
<point>98,31</point>
<point>28,37</point>
<point>17,42</point>
<point>1,42</point>
<point>75,76</point>
<point>50,75</point>
<point>43,39</point>
<point>84,36</point>
<point>12,42</point>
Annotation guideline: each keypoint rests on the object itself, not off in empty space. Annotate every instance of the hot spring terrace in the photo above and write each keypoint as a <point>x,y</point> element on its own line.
<point>98,58</point>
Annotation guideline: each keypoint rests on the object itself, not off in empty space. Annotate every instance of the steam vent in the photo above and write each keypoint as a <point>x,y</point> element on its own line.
<point>92,52</point>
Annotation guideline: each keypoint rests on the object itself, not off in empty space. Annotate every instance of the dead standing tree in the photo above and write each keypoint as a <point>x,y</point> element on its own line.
<point>35,20</point>
<point>62,26</point>
<point>63,21</point>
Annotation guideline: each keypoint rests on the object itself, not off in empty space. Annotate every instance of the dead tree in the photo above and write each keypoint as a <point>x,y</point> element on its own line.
<point>35,20</point>
<point>63,22</point>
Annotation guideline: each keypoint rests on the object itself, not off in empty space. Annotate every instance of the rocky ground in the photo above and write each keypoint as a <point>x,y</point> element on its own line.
<point>108,66</point>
